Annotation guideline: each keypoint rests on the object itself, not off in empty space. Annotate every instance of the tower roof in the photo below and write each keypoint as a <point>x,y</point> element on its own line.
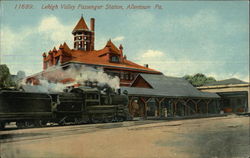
<point>66,47</point>
<point>81,25</point>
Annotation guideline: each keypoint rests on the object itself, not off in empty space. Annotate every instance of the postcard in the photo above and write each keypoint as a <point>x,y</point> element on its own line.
<point>124,79</point>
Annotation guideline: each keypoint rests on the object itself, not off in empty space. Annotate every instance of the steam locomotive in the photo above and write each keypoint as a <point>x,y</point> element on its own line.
<point>77,106</point>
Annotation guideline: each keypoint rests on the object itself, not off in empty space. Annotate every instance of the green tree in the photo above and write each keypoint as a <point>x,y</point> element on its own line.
<point>20,74</point>
<point>5,77</point>
<point>199,79</point>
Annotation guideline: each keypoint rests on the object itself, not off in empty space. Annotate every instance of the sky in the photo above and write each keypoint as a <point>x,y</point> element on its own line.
<point>181,38</point>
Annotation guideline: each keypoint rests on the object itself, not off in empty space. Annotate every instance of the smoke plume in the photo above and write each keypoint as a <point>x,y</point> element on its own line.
<point>50,81</point>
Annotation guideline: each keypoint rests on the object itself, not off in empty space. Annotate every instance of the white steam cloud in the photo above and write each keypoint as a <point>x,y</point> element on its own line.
<point>76,74</point>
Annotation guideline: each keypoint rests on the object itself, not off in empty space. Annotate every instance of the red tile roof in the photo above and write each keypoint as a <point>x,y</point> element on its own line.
<point>101,57</point>
<point>63,50</point>
<point>98,57</point>
<point>112,47</point>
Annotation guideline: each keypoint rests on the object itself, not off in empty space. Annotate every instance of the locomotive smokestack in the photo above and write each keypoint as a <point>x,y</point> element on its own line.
<point>119,91</point>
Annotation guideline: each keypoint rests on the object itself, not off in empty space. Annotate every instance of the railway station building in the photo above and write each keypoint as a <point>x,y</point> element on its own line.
<point>164,96</point>
<point>150,92</point>
<point>110,58</point>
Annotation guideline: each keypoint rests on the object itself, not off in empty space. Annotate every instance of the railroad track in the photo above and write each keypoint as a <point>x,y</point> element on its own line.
<point>10,135</point>
<point>29,134</point>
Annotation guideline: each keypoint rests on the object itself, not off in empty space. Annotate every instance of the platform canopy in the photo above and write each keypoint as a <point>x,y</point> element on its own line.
<point>165,86</point>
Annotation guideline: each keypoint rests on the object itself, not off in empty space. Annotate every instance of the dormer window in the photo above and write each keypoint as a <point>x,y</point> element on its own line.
<point>114,59</point>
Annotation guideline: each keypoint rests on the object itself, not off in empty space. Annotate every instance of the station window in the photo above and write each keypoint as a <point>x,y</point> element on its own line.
<point>122,76</point>
<point>126,76</point>
<point>131,76</point>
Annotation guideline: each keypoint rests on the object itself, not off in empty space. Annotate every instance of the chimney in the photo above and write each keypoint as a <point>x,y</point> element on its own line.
<point>121,48</point>
<point>92,28</point>
<point>44,62</point>
<point>146,65</point>
<point>92,24</point>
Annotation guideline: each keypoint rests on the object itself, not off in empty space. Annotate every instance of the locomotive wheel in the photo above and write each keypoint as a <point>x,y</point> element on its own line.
<point>28,124</point>
<point>77,121</point>
<point>94,120</point>
<point>105,119</point>
<point>62,123</point>
<point>2,125</point>
<point>88,120</point>
<point>37,123</point>
<point>40,123</point>
<point>110,119</point>
<point>121,119</point>
<point>115,119</point>
<point>20,124</point>
<point>44,123</point>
